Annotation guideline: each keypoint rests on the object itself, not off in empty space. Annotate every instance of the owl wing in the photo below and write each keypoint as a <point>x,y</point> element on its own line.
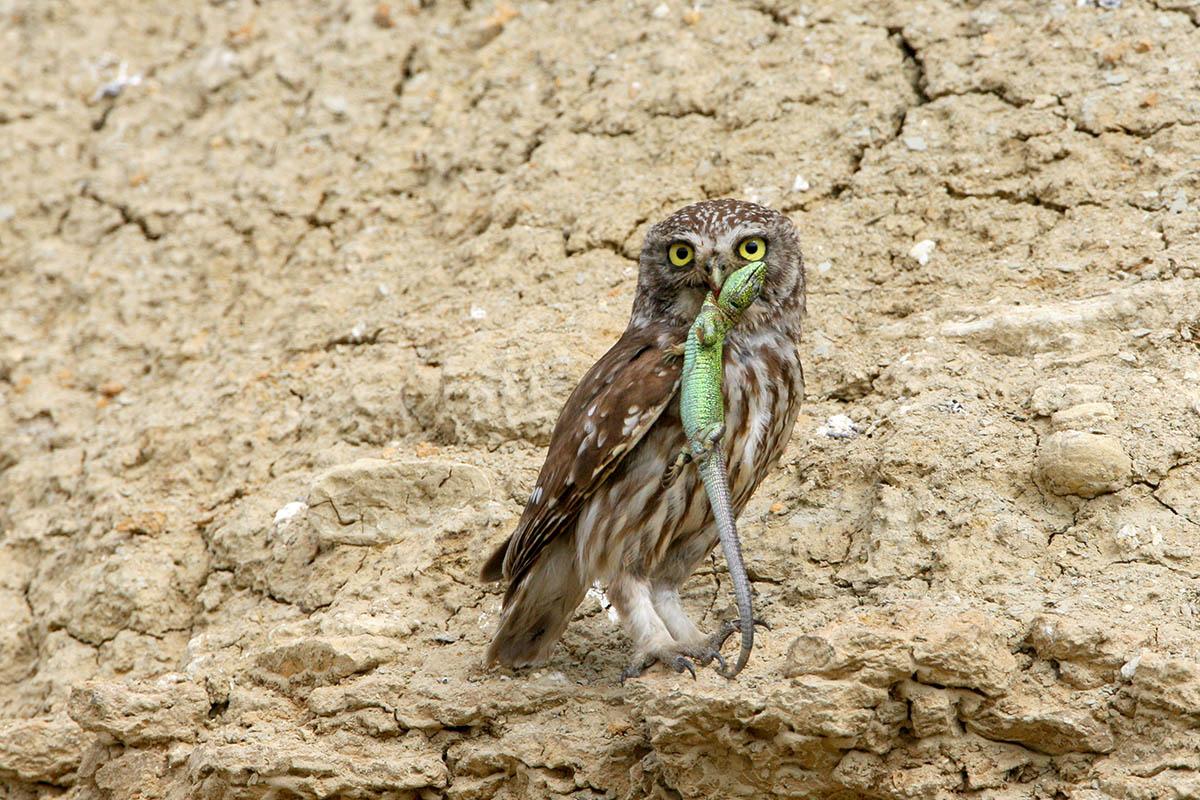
<point>609,412</point>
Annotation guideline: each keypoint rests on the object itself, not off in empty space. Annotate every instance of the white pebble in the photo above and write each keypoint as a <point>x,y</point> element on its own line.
<point>839,426</point>
<point>800,184</point>
<point>336,105</point>
<point>289,511</point>
<point>1130,666</point>
<point>916,143</point>
<point>661,11</point>
<point>477,312</point>
<point>922,250</point>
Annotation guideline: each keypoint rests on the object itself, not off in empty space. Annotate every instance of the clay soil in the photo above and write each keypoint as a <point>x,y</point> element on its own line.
<point>291,294</point>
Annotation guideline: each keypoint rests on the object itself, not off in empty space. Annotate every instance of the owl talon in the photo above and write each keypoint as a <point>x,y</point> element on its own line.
<point>682,663</point>
<point>688,659</point>
<point>673,353</point>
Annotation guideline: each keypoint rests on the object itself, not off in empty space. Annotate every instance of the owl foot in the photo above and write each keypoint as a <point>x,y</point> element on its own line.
<point>674,353</point>
<point>678,658</point>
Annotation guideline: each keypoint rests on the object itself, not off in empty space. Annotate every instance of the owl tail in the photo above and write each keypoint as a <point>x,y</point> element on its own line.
<point>537,610</point>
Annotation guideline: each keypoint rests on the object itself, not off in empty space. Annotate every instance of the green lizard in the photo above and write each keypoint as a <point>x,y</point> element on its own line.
<point>702,406</point>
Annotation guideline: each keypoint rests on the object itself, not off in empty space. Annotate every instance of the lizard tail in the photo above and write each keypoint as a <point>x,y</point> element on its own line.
<point>716,484</point>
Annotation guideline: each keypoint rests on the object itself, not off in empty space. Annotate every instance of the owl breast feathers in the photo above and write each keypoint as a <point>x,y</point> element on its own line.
<point>600,511</point>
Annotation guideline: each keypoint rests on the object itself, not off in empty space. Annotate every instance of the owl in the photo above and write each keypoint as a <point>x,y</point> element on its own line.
<point>607,507</point>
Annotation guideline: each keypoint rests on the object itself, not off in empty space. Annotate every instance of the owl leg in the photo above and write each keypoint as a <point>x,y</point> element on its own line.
<point>695,643</point>
<point>632,597</point>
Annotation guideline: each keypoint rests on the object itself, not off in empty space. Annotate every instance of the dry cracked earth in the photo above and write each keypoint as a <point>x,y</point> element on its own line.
<point>291,293</point>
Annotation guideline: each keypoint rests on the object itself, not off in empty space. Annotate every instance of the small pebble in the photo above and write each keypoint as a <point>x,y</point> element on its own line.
<point>383,16</point>
<point>916,143</point>
<point>336,105</point>
<point>839,426</point>
<point>1130,666</point>
<point>110,388</point>
<point>800,184</point>
<point>922,250</point>
<point>289,511</point>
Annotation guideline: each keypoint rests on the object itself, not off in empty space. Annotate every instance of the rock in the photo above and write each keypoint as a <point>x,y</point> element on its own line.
<point>861,771</point>
<point>966,651</point>
<point>1052,397</point>
<point>44,750</point>
<point>832,709</point>
<point>1088,643</point>
<point>873,655</point>
<point>1083,464</point>
<point>147,585</point>
<point>1083,417</point>
<point>359,767</point>
<point>373,501</point>
<point>1041,723</point>
<point>18,650</point>
<point>1167,684</point>
<point>1026,329</point>
<point>140,712</point>
<point>320,661</point>
<point>932,710</point>
<point>1180,490</point>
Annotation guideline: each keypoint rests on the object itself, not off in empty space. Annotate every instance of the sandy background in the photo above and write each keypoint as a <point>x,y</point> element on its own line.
<point>291,293</point>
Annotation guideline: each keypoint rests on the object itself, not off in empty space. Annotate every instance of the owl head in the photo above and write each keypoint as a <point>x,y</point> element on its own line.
<point>695,249</point>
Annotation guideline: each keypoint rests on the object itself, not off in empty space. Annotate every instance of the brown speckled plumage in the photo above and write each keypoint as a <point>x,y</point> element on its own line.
<point>600,511</point>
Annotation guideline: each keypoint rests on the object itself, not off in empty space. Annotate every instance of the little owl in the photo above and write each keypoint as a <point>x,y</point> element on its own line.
<point>601,509</point>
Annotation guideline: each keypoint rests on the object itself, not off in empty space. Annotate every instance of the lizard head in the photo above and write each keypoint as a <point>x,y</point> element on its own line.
<point>743,286</point>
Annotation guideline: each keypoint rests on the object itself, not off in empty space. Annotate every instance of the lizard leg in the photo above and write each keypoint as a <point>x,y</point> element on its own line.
<point>676,467</point>
<point>674,353</point>
<point>718,639</point>
<point>706,439</point>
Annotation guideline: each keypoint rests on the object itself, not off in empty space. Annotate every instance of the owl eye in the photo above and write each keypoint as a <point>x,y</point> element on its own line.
<point>680,254</point>
<point>752,249</point>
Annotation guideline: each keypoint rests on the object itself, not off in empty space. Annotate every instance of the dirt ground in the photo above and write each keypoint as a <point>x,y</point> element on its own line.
<point>291,294</point>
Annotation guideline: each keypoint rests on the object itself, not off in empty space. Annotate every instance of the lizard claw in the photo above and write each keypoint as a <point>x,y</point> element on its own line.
<point>727,630</point>
<point>676,468</point>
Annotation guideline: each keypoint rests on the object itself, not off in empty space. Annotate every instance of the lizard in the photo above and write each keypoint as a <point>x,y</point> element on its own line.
<point>702,408</point>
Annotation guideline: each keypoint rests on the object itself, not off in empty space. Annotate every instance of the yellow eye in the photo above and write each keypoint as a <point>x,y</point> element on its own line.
<point>752,249</point>
<point>680,254</point>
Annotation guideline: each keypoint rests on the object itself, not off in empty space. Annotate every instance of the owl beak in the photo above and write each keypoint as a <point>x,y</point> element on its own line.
<point>716,275</point>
